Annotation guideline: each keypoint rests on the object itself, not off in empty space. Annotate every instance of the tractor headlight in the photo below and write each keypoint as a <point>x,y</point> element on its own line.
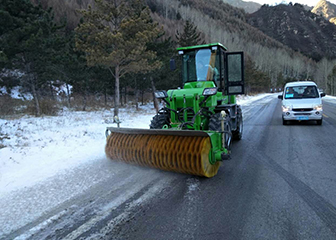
<point>209,91</point>
<point>286,108</point>
<point>161,94</point>
<point>318,107</point>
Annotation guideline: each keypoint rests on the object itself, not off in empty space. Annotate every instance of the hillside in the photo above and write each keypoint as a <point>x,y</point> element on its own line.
<point>66,9</point>
<point>248,6</point>
<point>221,22</point>
<point>326,9</point>
<point>297,28</point>
<point>211,15</point>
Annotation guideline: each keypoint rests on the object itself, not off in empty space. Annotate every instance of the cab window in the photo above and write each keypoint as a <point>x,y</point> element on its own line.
<point>201,65</point>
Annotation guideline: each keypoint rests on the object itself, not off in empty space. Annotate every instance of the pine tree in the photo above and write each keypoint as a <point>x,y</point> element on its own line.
<point>114,35</point>
<point>29,41</point>
<point>164,78</point>
<point>190,35</point>
<point>71,68</point>
<point>255,80</point>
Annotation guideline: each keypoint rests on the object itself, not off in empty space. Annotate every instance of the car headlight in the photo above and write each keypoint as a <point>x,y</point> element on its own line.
<point>286,108</point>
<point>318,107</point>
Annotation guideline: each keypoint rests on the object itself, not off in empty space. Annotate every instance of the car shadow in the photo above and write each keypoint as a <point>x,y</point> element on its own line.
<point>304,123</point>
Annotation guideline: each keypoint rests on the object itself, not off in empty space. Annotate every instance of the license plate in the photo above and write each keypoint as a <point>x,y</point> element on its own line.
<point>302,118</point>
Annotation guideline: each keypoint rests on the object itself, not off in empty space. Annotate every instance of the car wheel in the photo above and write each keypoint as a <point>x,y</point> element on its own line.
<point>319,122</point>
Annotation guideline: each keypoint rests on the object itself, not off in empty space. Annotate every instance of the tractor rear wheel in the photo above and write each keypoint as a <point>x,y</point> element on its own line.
<point>238,133</point>
<point>215,125</point>
<point>159,121</point>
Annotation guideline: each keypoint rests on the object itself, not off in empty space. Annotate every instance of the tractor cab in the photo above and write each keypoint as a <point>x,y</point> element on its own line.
<point>203,64</point>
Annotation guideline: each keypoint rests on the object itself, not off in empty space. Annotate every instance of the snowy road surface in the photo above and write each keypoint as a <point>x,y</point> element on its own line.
<point>55,182</point>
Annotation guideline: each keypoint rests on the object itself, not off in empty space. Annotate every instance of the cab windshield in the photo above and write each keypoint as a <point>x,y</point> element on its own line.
<point>299,92</point>
<point>200,65</point>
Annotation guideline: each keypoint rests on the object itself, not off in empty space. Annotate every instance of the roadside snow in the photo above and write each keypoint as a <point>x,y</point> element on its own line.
<point>329,98</point>
<point>16,92</point>
<point>246,100</point>
<point>38,148</point>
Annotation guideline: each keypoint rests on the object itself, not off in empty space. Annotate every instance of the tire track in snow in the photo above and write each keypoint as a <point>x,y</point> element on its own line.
<point>102,226</point>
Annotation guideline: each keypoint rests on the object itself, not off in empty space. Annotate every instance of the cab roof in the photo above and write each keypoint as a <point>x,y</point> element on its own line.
<point>300,83</point>
<point>202,46</point>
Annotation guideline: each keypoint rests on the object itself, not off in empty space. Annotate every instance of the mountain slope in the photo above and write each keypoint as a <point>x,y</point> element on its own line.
<point>249,7</point>
<point>66,9</point>
<point>325,9</point>
<point>297,28</point>
<point>221,22</point>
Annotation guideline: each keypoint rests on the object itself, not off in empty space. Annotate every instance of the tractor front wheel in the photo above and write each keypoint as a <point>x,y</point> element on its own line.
<point>159,121</point>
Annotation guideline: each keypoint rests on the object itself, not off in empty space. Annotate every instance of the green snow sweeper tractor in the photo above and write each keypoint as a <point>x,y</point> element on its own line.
<point>193,133</point>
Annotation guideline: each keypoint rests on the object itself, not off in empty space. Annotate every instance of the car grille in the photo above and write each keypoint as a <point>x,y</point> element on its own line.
<point>302,114</point>
<point>302,109</point>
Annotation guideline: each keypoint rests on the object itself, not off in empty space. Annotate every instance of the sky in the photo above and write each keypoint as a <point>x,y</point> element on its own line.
<point>307,2</point>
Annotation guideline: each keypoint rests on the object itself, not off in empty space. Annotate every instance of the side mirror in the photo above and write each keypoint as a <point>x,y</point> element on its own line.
<point>322,94</point>
<point>172,64</point>
<point>280,96</point>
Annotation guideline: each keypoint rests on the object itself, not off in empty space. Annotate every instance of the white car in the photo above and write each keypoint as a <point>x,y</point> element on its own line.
<point>301,101</point>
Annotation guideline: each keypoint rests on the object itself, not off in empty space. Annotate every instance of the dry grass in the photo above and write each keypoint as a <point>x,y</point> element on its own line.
<point>10,106</point>
<point>14,108</point>
<point>47,107</point>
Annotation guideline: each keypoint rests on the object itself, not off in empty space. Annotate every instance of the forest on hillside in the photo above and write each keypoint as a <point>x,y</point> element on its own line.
<point>41,55</point>
<point>222,23</point>
<point>105,55</point>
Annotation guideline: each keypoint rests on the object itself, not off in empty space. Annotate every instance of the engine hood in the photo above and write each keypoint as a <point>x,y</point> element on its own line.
<point>302,103</point>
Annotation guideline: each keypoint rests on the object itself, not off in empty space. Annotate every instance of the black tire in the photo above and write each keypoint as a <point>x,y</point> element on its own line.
<point>159,121</point>
<point>238,133</point>
<point>215,125</point>
<point>319,122</point>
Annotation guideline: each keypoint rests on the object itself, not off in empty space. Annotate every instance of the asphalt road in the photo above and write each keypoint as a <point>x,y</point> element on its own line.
<point>279,184</point>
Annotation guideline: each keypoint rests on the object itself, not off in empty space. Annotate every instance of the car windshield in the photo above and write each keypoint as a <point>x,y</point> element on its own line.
<point>299,92</point>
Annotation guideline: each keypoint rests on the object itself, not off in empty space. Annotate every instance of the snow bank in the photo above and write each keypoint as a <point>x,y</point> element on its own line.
<point>38,148</point>
<point>16,93</point>
<point>245,99</point>
<point>329,98</point>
